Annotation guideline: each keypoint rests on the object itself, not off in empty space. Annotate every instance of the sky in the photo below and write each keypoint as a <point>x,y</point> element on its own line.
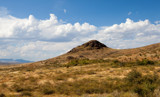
<point>41,29</point>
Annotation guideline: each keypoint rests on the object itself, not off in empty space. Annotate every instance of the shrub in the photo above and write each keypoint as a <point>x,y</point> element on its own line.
<point>143,85</point>
<point>47,88</point>
<point>2,95</point>
<point>145,62</point>
<point>73,63</point>
<point>80,62</point>
<point>26,93</point>
<point>133,76</point>
<point>17,88</point>
<point>48,91</point>
<point>70,57</point>
<point>20,87</point>
<point>116,63</point>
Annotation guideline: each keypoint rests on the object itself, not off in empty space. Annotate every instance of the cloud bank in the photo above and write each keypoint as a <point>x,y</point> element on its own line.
<point>33,39</point>
<point>43,30</point>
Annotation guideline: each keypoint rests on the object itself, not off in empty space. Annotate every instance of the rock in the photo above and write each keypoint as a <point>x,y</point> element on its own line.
<point>94,44</point>
<point>91,45</point>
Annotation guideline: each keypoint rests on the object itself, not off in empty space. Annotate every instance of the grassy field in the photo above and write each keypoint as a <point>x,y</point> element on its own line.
<point>82,78</point>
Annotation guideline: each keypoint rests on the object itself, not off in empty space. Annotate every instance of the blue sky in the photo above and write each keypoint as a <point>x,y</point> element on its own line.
<point>96,12</point>
<point>41,29</point>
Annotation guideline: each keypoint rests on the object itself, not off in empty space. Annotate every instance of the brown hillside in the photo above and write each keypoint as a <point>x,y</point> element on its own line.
<point>96,50</point>
<point>86,77</point>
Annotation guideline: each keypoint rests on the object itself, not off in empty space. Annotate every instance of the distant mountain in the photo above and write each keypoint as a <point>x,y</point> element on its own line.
<point>13,61</point>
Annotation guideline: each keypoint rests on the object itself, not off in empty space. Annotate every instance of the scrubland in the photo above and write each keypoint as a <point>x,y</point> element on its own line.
<point>82,78</point>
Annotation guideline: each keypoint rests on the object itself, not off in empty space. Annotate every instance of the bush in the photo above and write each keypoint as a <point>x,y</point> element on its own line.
<point>80,62</point>
<point>133,76</point>
<point>145,62</point>
<point>48,91</point>
<point>47,88</point>
<point>17,88</point>
<point>70,57</point>
<point>26,93</point>
<point>2,95</point>
<point>116,63</point>
<point>143,85</point>
<point>20,87</point>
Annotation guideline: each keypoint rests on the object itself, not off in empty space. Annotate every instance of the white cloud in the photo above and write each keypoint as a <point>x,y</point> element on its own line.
<point>157,22</point>
<point>129,34</point>
<point>30,38</point>
<point>33,39</point>
<point>49,30</point>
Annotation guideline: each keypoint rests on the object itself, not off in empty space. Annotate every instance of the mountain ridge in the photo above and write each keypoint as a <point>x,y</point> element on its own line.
<point>13,61</point>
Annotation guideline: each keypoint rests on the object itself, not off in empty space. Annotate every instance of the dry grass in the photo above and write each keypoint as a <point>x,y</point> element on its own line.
<point>49,81</point>
<point>151,52</point>
<point>86,73</point>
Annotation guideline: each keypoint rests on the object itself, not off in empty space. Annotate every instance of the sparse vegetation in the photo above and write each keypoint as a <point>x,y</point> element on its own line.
<point>26,93</point>
<point>87,72</point>
<point>88,77</point>
<point>145,62</point>
<point>2,95</point>
<point>81,62</point>
<point>142,85</point>
<point>47,88</point>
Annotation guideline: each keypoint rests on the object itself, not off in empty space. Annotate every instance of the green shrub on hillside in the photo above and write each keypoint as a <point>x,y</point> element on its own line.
<point>80,62</point>
<point>113,63</point>
<point>143,85</point>
<point>145,62</point>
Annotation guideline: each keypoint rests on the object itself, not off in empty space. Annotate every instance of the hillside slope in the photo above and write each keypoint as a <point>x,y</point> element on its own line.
<point>96,50</point>
<point>89,70</point>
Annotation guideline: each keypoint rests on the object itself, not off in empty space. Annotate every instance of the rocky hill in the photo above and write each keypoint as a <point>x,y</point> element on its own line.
<point>96,50</point>
<point>89,70</point>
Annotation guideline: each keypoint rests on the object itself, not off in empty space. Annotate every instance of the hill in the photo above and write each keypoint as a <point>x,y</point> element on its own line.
<point>89,70</point>
<point>95,50</point>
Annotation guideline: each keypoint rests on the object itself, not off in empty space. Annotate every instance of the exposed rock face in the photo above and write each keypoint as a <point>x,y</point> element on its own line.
<point>91,45</point>
<point>94,44</point>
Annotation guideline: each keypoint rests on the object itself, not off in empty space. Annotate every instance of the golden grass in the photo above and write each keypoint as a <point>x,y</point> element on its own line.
<point>32,81</point>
